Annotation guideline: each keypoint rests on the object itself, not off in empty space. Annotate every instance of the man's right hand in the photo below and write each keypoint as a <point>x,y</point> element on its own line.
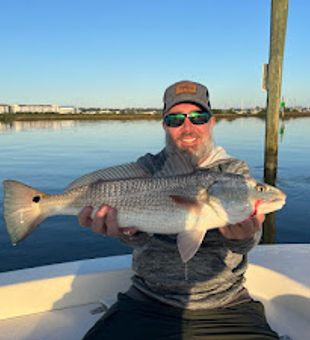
<point>104,221</point>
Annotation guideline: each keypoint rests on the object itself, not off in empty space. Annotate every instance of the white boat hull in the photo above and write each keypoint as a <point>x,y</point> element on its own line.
<point>58,301</point>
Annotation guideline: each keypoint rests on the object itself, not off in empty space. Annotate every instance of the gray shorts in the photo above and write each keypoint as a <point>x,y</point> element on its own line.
<point>136,320</point>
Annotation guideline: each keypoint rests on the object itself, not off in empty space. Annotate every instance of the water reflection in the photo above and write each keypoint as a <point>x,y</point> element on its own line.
<point>40,124</point>
<point>53,153</point>
<point>62,124</point>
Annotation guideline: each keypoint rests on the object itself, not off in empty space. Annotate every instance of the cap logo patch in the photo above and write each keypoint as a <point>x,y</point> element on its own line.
<point>185,88</point>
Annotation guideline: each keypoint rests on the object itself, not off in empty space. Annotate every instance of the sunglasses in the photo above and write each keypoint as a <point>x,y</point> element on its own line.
<point>195,117</point>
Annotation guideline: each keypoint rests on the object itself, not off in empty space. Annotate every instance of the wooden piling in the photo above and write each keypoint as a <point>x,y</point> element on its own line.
<point>279,10</point>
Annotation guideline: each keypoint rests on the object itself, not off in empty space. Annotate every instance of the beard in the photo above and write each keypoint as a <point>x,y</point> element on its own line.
<point>192,154</point>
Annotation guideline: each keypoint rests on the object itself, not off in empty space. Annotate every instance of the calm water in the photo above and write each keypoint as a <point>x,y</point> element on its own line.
<point>49,155</point>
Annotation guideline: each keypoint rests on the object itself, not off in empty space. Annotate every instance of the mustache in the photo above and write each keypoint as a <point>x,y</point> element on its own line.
<point>187,134</point>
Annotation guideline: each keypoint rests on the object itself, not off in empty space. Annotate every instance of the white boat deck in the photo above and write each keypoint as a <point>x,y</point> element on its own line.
<point>68,323</point>
<point>63,301</point>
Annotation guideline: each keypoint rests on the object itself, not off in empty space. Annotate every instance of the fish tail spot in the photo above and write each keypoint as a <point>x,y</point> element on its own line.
<point>36,199</point>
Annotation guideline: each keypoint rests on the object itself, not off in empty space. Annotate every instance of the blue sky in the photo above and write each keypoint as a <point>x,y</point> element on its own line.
<point>122,53</point>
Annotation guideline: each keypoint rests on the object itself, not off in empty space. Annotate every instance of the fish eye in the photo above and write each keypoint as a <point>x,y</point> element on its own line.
<point>260,188</point>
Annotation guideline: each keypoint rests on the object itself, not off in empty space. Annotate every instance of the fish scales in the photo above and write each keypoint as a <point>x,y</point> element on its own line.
<point>113,192</point>
<point>144,202</point>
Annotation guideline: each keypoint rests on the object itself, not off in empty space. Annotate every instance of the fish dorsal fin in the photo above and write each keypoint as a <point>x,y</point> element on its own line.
<point>189,242</point>
<point>129,170</point>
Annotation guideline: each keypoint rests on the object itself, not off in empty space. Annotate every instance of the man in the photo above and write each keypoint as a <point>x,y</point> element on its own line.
<point>204,299</point>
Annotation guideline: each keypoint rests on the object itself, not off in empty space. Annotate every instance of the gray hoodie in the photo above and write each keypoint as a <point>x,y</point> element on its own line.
<point>214,276</point>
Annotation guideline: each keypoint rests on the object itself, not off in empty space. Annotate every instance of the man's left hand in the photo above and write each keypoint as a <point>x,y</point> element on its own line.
<point>243,230</point>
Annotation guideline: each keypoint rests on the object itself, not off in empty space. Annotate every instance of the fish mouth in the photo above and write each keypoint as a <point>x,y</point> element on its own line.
<point>281,198</point>
<point>272,205</point>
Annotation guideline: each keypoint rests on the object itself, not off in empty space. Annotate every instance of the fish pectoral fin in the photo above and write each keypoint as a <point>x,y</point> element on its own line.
<point>189,242</point>
<point>188,203</point>
<point>191,198</point>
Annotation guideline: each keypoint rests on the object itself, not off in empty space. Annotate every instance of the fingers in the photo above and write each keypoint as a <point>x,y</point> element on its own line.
<point>260,218</point>
<point>111,222</point>
<point>243,230</point>
<point>232,232</point>
<point>113,228</point>
<point>104,221</point>
<point>99,221</point>
<point>84,217</point>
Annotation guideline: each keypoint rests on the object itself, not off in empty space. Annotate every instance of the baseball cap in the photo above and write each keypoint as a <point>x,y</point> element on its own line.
<point>186,91</point>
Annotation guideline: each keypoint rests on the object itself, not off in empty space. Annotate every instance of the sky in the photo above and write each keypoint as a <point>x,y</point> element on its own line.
<point>121,53</point>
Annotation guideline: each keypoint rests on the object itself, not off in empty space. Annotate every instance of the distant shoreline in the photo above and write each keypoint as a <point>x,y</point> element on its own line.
<point>7,118</point>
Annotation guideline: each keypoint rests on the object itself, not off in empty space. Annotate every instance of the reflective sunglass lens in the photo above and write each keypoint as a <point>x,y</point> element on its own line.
<point>199,118</point>
<point>196,117</point>
<point>174,120</point>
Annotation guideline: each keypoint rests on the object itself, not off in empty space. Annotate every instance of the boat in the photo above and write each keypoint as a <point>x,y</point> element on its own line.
<point>62,301</point>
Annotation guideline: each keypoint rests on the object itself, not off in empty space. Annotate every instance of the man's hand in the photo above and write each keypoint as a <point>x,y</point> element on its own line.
<point>243,230</point>
<point>104,222</point>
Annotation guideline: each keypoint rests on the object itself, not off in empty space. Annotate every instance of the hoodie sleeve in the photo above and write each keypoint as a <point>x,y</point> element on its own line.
<point>242,246</point>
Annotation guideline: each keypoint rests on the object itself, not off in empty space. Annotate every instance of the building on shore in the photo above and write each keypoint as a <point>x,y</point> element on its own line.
<point>4,108</point>
<point>37,108</point>
<point>33,108</point>
<point>68,110</point>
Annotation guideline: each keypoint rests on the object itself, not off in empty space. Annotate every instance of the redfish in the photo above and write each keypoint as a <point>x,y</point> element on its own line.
<point>187,205</point>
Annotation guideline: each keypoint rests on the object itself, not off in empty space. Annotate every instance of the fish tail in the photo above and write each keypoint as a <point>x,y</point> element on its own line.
<point>22,209</point>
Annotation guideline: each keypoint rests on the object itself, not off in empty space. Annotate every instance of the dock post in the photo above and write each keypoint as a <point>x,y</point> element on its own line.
<point>279,10</point>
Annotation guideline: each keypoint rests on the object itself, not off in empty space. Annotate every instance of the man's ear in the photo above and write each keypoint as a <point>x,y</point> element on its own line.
<point>212,121</point>
<point>163,125</point>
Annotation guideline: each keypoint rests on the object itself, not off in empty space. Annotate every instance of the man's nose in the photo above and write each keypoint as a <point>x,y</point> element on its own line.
<point>187,125</point>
